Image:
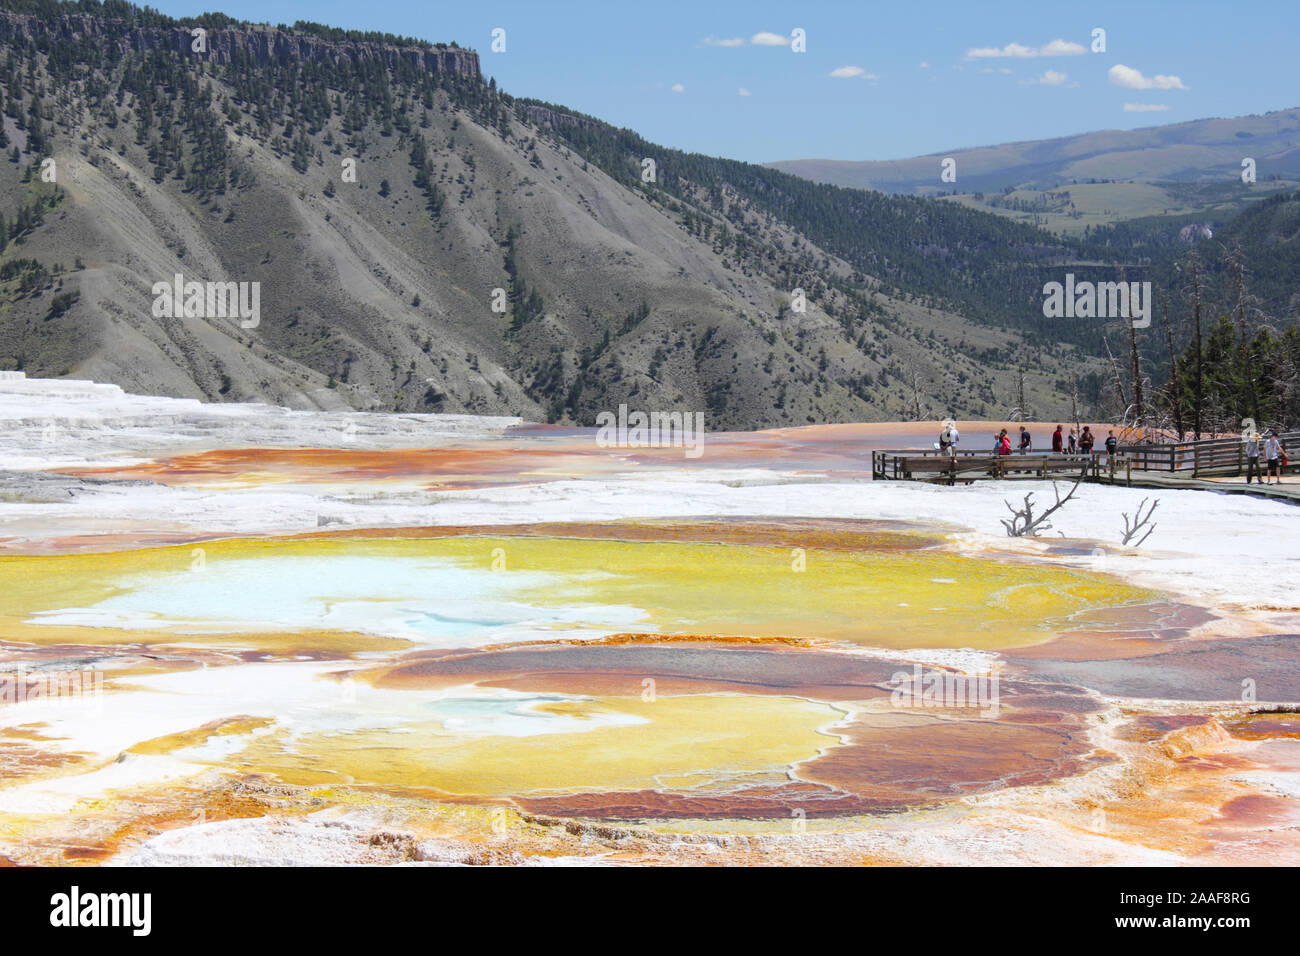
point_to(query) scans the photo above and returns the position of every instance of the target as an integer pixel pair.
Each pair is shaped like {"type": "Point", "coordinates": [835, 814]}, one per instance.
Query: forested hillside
{"type": "Point", "coordinates": [424, 241]}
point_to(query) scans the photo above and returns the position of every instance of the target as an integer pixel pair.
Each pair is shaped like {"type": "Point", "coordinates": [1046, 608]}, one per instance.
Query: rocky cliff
{"type": "Point", "coordinates": [231, 44]}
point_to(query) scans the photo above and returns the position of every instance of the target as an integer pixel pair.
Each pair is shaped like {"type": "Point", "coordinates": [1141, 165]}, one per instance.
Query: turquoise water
{"type": "Point", "coordinates": [428, 600]}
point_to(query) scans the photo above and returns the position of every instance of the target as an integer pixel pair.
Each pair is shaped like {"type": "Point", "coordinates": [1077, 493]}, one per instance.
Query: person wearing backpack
{"type": "Point", "coordinates": [1004, 443]}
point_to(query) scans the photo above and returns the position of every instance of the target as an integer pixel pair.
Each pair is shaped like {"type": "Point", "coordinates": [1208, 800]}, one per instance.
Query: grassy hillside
{"type": "Point", "coordinates": [1071, 185]}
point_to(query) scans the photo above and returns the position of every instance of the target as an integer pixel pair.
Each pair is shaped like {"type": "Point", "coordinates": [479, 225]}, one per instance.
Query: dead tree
{"type": "Point", "coordinates": [1139, 410]}
{"type": "Point", "coordinates": [1020, 411]}
{"type": "Point", "coordinates": [1241, 312]}
{"type": "Point", "coordinates": [915, 382]}
{"type": "Point", "coordinates": [1138, 522]}
{"type": "Point", "coordinates": [1135, 361]}
{"type": "Point", "coordinates": [1074, 403]}
{"type": "Point", "coordinates": [1024, 523]}
{"type": "Point", "coordinates": [1175, 386]}
{"type": "Point", "coordinates": [1119, 379]}
{"type": "Point", "coordinates": [1198, 388]}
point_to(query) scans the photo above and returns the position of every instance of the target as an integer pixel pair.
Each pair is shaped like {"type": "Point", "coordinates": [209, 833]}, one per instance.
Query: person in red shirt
{"type": "Point", "coordinates": [1058, 441]}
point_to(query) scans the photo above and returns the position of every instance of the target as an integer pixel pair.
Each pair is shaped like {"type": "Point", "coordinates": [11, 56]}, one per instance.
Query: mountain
{"type": "Point", "coordinates": [423, 241]}
{"type": "Point", "coordinates": [1183, 172]}
{"type": "Point", "coordinates": [1196, 151]}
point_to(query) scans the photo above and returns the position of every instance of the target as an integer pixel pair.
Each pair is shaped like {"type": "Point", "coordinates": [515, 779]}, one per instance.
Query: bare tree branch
{"type": "Point", "coordinates": [1023, 522]}
{"type": "Point", "coordinates": [1138, 522]}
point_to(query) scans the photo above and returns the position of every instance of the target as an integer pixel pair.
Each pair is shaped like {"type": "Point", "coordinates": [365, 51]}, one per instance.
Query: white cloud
{"type": "Point", "coordinates": [1132, 79]}
{"type": "Point", "coordinates": [769, 39]}
{"type": "Point", "coordinates": [1011, 49]}
{"type": "Point", "coordinates": [846, 72]}
{"type": "Point", "coordinates": [743, 92]}
{"type": "Point", "coordinates": [726, 41]}
{"type": "Point", "coordinates": [1022, 52]}
{"type": "Point", "coordinates": [1144, 107]}
{"type": "Point", "coordinates": [1062, 48]}
{"type": "Point", "coordinates": [678, 88]}
{"type": "Point", "coordinates": [925, 66]}
{"type": "Point", "coordinates": [1049, 78]}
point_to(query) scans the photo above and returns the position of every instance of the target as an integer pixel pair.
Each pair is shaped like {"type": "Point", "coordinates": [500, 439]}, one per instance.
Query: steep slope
{"type": "Point", "coordinates": [378, 291]}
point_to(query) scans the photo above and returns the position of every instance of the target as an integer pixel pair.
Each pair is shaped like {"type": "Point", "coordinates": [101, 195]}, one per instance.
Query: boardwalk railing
{"type": "Point", "coordinates": [965, 466]}
{"type": "Point", "coordinates": [1217, 456]}
{"type": "Point", "coordinates": [1214, 456]}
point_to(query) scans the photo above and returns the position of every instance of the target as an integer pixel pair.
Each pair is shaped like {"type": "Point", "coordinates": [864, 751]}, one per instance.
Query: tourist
{"type": "Point", "coordinates": [1074, 442]}
{"type": "Point", "coordinates": [1276, 454]}
{"type": "Point", "coordinates": [1004, 443]}
{"type": "Point", "coordinates": [1058, 441]}
{"type": "Point", "coordinates": [1252, 457]}
{"type": "Point", "coordinates": [948, 439]}
{"type": "Point", "coordinates": [1111, 444]}
{"type": "Point", "coordinates": [1086, 441]}
{"type": "Point", "coordinates": [1026, 443]}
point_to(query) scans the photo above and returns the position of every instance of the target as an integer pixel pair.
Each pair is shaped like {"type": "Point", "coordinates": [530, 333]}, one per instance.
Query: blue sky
{"type": "Point", "coordinates": [915, 77]}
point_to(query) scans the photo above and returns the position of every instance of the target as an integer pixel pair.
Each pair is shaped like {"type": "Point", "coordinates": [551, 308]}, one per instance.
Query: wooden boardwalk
{"type": "Point", "coordinates": [1185, 465]}
{"type": "Point", "coordinates": [1290, 491]}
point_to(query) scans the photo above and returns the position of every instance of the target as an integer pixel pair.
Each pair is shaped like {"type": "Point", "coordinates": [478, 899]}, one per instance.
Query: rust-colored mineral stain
{"type": "Point", "coordinates": [1114, 633]}
{"type": "Point", "coordinates": [1257, 812]}
{"type": "Point", "coordinates": [750, 803]}
{"type": "Point", "coordinates": [465, 466]}
{"type": "Point", "coordinates": [806, 533]}
{"type": "Point", "coordinates": [1264, 726]}
{"type": "Point", "coordinates": [675, 668]}
{"type": "Point", "coordinates": [530, 455]}
{"type": "Point", "coordinates": [19, 761]}
{"type": "Point", "coordinates": [1147, 727]}
{"type": "Point", "coordinates": [944, 757]}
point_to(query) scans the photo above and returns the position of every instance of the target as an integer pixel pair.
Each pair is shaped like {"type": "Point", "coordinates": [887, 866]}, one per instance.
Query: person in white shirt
{"type": "Point", "coordinates": [1273, 452]}
{"type": "Point", "coordinates": [948, 439]}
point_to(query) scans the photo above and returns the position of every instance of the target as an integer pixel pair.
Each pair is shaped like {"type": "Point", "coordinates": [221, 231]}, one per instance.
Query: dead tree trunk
{"type": "Point", "coordinates": [1245, 371]}
{"type": "Point", "coordinates": [1198, 387]}
{"type": "Point", "coordinates": [1119, 379]}
{"type": "Point", "coordinates": [1175, 386]}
